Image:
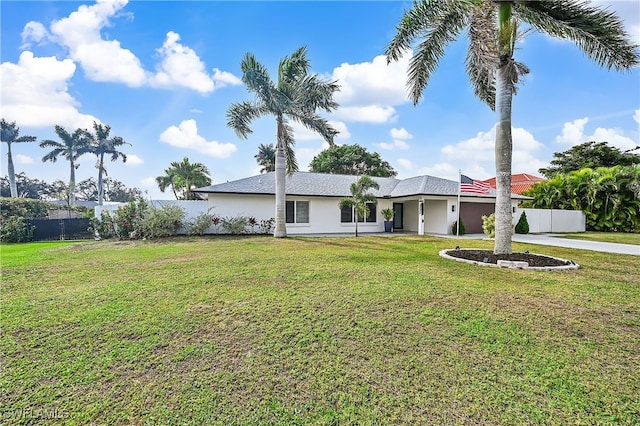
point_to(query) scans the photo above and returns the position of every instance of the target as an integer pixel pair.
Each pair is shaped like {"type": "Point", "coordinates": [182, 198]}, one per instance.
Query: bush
{"type": "Point", "coordinates": [267, 225]}
{"type": "Point", "coordinates": [127, 219]}
{"type": "Point", "coordinates": [160, 222]}
{"type": "Point", "coordinates": [103, 227]}
{"type": "Point", "coordinates": [200, 224]}
{"type": "Point", "coordinates": [15, 230]}
{"type": "Point", "coordinates": [489, 225]}
{"type": "Point", "coordinates": [454, 228]}
{"type": "Point", "coordinates": [522, 227]}
{"type": "Point", "coordinates": [234, 225]}
{"type": "Point", "coordinates": [25, 207]}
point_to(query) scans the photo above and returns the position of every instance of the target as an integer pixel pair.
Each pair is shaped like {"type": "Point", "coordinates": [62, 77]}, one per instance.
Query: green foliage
{"type": "Point", "coordinates": [454, 228]}
{"type": "Point", "coordinates": [351, 160]}
{"type": "Point", "coordinates": [387, 213]}
{"type": "Point", "coordinates": [234, 225]}
{"type": "Point", "coordinates": [522, 227]}
{"type": "Point", "coordinates": [183, 177]}
{"type": "Point", "coordinates": [163, 221]}
{"type": "Point", "coordinates": [489, 225]}
{"type": "Point", "coordinates": [609, 197]}
{"type": "Point", "coordinates": [360, 197]}
{"type": "Point", "coordinates": [591, 155]}
{"type": "Point", "coordinates": [15, 230]}
{"type": "Point", "coordinates": [266, 226]}
{"type": "Point", "coordinates": [200, 224]}
{"type": "Point", "coordinates": [103, 226]}
{"type": "Point", "coordinates": [25, 207]}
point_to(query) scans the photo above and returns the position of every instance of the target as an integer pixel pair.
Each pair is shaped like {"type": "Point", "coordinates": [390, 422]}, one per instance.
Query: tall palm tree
{"type": "Point", "coordinates": [102, 145]}
{"type": "Point", "coordinates": [184, 176]}
{"type": "Point", "coordinates": [493, 31]}
{"type": "Point", "coordinates": [297, 95]}
{"type": "Point", "coordinates": [11, 134]}
{"type": "Point", "coordinates": [360, 197]}
{"type": "Point", "coordinates": [73, 145]}
{"type": "Point", "coordinates": [266, 157]}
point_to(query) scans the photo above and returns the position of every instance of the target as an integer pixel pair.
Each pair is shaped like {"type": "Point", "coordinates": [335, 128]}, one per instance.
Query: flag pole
{"type": "Point", "coordinates": [458, 206]}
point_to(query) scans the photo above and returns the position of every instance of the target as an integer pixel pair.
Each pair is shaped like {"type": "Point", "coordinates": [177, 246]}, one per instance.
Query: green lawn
{"type": "Point", "coordinates": [328, 331]}
{"type": "Point", "coordinates": [607, 237]}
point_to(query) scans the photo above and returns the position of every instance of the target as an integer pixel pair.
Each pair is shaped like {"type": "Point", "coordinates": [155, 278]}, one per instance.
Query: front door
{"type": "Point", "coordinates": [397, 216]}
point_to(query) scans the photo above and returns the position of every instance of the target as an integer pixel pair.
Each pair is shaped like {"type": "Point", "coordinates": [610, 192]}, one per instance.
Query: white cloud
{"type": "Point", "coordinates": [400, 144]}
{"type": "Point", "coordinates": [573, 133]}
{"type": "Point", "coordinates": [369, 90]}
{"type": "Point", "coordinates": [181, 66]}
{"type": "Point", "coordinates": [134, 160]}
{"type": "Point", "coordinates": [34, 92]}
{"type": "Point", "coordinates": [305, 155]}
{"type": "Point", "coordinates": [400, 134]}
{"type": "Point", "coordinates": [33, 32]}
{"type": "Point", "coordinates": [186, 136]}
{"type": "Point", "coordinates": [148, 182]}
{"type": "Point", "coordinates": [446, 171]}
{"type": "Point", "coordinates": [101, 60]}
{"type": "Point", "coordinates": [405, 164]}
{"type": "Point", "coordinates": [23, 159]}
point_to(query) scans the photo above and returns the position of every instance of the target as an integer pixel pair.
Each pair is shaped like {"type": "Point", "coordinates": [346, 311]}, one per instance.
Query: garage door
{"type": "Point", "coordinates": [471, 215]}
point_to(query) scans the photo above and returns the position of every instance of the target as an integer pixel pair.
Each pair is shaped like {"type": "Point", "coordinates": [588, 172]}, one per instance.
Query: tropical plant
{"type": "Point", "coordinates": [296, 96]}
{"type": "Point", "coordinates": [11, 134]}
{"type": "Point", "coordinates": [351, 160]}
{"type": "Point", "coordinates": [199, 224]}
{"type": "Point", "coordinates": [522, 227]}
{"type": "Point", "coordinates": [24, 207]}
{"type": "Point", "coordinates": [162, 221]}
{"type": "Point", "coordinates": [493, 30]}
{"type": "Point", "coordinates": [101, 145]}
{"type": "Point", "coordinates": [387, 213]}
{"type": "Point", "coordinates": [458, 231]}
{"type": "Point", "coordinates": [183, 177]}
{"type": "Point", "coordinates": [489, 225]}
{"type": "Point", "coordinates": [266, 158]}
{"type": "Point", "coordinates": [15, 230]}
{"type": "Point", "coordinates": [360, 198]}
{"type": "Point", "coordinates": [235, 225]}
{"type": "Point", "coordinates": [590, 155]}
{"type": "Point", "coordinates": [73, 145]}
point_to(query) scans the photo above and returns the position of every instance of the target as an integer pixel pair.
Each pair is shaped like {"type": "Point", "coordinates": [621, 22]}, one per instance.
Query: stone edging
{"type": "Point", "coordinates": [512, 264]}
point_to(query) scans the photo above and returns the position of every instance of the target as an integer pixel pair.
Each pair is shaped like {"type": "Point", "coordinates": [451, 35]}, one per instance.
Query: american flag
{"type": "Point", "coordinates": [474, 186]}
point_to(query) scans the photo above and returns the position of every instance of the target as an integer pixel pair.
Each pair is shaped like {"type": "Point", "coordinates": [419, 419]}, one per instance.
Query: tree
{"type": "Point", "coordinates": [73, 145]}
{"type": "Point", "coordinates": [184, 177]}
{"type": "Point", "coordinates": [360, 197]}
{"type": "Point", "coordinates": [26, 187]}
{"type": "Point", "coordinates": [351, 160]}
{"type": "Point", "coordinates": [11, 134]}
{"type": "Point", "coordinates": [296, 95]}
{"type": "Point", "coordinates": [113, 190]}
{"type": "Point", "coordinates": [493, 29]}
{"type": "Point", "coordinates": [101, 144]}
{"type": "Point", "coordinates": [266, 157]}
{"type": "Point", "coordinates": [589, 155]}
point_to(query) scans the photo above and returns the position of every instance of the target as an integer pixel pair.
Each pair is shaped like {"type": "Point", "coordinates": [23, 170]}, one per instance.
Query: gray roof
{"type": "Point", "coordinates": [329, 185]}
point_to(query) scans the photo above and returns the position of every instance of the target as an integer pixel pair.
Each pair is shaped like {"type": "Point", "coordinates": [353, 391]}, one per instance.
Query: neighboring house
{"type": "Point", "coordinates": [519, 182]}
{"type": "Point", "coordinates": [422, 204]}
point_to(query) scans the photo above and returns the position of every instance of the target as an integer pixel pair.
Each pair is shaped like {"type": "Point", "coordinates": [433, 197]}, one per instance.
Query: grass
{"type": "Point", "coordinates": [606, 237]}
{"type": "Point", "coordinates": [246, 331]}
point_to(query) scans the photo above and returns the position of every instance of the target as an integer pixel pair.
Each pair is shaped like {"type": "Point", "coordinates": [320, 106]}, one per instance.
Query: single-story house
{"type": "Point", "coordinates": [422, 204]}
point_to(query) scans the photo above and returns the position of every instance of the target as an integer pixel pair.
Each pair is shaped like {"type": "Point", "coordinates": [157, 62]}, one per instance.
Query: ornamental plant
{"type": "Point", "coordinates": [489, 225]}
{"type": "Point", "coordinates": [522, 227]}
{"type": "Point", "coordinates": [15, 230]}
{"type": "Point", "coordinates": [454, 228]}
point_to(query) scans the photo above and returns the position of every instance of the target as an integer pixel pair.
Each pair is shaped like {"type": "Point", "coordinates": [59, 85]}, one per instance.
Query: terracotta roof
{"type": "Point", "coordinates": [519, 182]}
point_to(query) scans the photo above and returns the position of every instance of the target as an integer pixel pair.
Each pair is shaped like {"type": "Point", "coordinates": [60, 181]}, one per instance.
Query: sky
{"type": "Point", "coordinates": [163, 74]}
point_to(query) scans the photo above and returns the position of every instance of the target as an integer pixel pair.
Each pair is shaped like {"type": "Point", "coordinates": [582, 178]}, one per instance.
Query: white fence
{"type": "Point", "coordinates": [549, 220]}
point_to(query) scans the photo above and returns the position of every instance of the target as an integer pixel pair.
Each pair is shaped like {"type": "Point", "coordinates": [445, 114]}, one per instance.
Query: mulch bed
{"type": "Point", "coordinates": [534, 260]}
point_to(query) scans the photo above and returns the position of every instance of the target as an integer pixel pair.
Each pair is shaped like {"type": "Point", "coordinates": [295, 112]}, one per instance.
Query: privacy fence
{"type": "Point", "coordinates": [60, 229]}
{"type": "Point", "coordinates": [552, 220]}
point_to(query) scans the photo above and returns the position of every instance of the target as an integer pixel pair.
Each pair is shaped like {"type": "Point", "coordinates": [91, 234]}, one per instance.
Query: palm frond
{"type": "Point", "coordinates": [240, 115]}
{"type": "Point", "coordinates": [482, 54]}
{"type": "Point", "coordinates": [295, 67]}
{"type": "Point", "coordinates": [289, 142]}
{"type": "Point", "coordinates": [317, 93]}
{"type": "Point", "coordinates": [598, 32]}
{"type": "Point", "coordinates": [256, 77]}
{"type": "Point", "coordinates": [316, 124]}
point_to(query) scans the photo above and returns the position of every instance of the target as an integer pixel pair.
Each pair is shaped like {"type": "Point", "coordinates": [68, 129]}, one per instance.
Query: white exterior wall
{"type": "Point", "coordinates": [435, 216]}
{"type": "Point", "coordinates": [552, 220]}
{"type": "Point", "coordinates": [410, 220]}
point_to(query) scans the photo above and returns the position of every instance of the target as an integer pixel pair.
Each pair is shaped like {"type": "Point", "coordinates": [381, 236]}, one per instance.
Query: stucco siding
{"type": "Point", "coordinates": [435, 216]}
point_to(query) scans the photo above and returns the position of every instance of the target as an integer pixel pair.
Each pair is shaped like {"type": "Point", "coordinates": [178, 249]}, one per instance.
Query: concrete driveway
{"type": "Point", "coordinates": [557, 241]}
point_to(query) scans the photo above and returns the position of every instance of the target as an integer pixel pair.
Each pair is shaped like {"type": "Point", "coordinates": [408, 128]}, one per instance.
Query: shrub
{"type": "Point", "coordinates": [266, 226]}
{"type": "Point", "coordinates": [522, 227]}
{"type": "Point", "coordinates": [160, 222]}
{"type": "Point", "coordinates": [25, 207]}
{"type": "Point", "coordinates": [234, 225]}
{"type": "Point", "coordinates": [15, 230]}
{"type": "Point", "coordinates": [200, 224]}
{"type": "Point", "coordinates": [127, 219]}
{"type": "Point", "coordinates": [103, 227]}
{"type": "Point", "coordinates": [489, 225]}
{"type": "Point", "coordinates": [454, 228]}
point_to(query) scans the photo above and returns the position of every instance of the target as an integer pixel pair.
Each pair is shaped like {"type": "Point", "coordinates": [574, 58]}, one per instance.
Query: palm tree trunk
{"type": "Point", "coordinates": [281, 226]}
{"type": "Point", "coordinates": [100, 183]}
{"type": "Point", "coordinates": [12, 173]}
{"type": "Point", "coordinates": [72, 184]}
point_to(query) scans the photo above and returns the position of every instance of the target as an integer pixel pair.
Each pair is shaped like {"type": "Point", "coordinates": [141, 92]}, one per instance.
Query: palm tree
{"type": "Point", "coordinates": [11, 134]}
{"type": "Point", "coordinates": [297, 95]}
{"type": "Point", "coordinates": [493, 31]}
{"type": "Point", "coordinates": [73, 145]}
{"type": "Point", "coordinates": [184, 176]}
{"type": "Point", "coordinates": [101, 144]}
{"type": "Point", "coordinates": [266, 157]}
{"type": "Point", "coordinates": [360, 197]}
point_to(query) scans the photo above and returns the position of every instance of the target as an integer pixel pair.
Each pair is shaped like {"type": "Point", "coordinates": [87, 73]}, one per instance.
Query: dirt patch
{"type": "Point", "coordinates": [487, 256]}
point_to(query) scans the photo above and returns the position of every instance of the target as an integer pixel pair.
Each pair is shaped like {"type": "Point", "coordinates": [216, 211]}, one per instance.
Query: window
{"type": "Point", "coordinates": [347, 214]}
{"type": "Point", "coordinates": [297, 212]}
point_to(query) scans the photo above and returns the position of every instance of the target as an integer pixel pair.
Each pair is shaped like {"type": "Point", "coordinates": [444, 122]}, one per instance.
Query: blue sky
{"type": "Point", "coordinates": [162, 75]}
